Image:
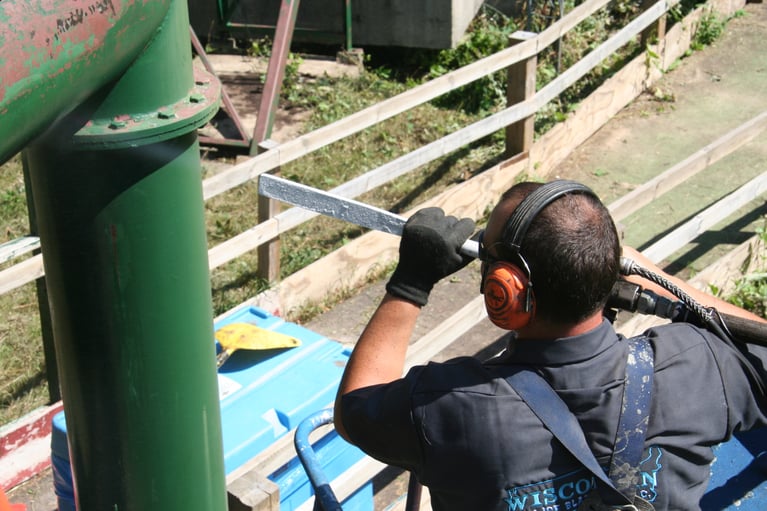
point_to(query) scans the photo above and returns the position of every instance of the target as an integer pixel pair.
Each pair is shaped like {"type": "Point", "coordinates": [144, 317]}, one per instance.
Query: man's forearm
{"type": "Point", "coordinates": [379, 355]}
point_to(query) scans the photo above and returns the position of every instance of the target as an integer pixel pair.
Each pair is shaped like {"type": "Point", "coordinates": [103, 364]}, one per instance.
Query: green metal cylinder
{"type": "Point", "coordinates": [127, 272]}
{"type": "Point", "coordinates": [120, 215]}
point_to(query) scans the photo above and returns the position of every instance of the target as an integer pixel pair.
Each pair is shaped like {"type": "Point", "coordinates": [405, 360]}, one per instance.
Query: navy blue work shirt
{"type": "Point", "coordinates": [477, 446]}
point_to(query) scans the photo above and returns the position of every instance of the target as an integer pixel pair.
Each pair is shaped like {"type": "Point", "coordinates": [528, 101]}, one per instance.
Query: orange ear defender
{"type": "Point", "coordinates": [509, 299]}
{"type": "Point", "coordinates": [507, 286]}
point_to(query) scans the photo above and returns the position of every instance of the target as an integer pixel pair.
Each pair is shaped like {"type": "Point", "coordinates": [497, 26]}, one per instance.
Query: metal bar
{"type": "Point", "coordinates": [275, 73]}
{"type": "Point", "coordinates": [348, 23]}
{"type": "Point", "coordinates": [325, 498]}
{"type": "Point", "coordinates": [341, 208]}
{"type": "Point", "coordinates": [228, 105]}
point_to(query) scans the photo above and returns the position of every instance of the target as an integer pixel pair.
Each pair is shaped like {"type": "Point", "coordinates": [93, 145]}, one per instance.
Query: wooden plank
{"type": "Point", "coordinates": [253, 492]}
{"type": "Point", "coordinates": [25, 445]}
{"type": "Point", "coordinates": [20, 246]}
{"type": "Point", "coordinates": [243, 172]}
{"type": "Point", "coordinates": [558, 29]}
{"type": "Point", "coordinates": [674, 176]}
{"type": "Point", "coordinates": [706, 219]}
{"type": "Point", "coordinates": [21, 273]}
{"type": "Point", "coordinates": [257, 235]}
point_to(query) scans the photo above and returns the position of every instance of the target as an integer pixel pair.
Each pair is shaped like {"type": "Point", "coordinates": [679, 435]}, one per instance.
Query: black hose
{"type": "Point", "coordinates": [728, 328]}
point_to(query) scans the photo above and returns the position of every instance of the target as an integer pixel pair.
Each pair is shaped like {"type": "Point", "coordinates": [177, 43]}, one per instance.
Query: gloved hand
{"type": "Point", "coordinates": [428, 252]}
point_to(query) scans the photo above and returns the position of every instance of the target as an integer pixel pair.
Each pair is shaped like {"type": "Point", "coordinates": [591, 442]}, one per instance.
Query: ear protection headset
{"type": "Point", "coordinates": [507, 285]}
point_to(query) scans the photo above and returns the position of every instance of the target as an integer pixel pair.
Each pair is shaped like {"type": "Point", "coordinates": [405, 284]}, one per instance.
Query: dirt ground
{"type": "Point", "coordinates": [242, 77]}
{"type": "Point", "coordinates": [706, 95]}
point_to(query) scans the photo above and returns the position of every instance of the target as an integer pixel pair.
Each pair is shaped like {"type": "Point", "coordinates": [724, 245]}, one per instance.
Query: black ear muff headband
{"type": "Point", "coordinates": [504, 281]}
{"type": "Point", "coordinates": [524, 214]}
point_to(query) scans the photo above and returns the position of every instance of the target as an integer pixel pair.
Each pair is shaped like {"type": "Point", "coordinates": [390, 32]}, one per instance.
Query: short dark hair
{"type": "Point", "coordinates": [573, 251]}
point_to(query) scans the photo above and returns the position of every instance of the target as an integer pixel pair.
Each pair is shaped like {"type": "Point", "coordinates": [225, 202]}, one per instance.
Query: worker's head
{"type": "Point", "coordinates": [549, 252]}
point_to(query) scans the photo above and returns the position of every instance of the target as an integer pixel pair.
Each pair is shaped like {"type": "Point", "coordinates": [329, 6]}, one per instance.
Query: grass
{"type": "Point", "coordinates": [22, 371]}
{"type": "Point", "coordinates": [750, 290]}
{"type": "Point", "coordinates": [22, 365]}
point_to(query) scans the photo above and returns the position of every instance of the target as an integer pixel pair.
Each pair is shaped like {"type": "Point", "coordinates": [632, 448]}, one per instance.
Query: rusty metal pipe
{"type": "Point", "coordinates": [54, 54]}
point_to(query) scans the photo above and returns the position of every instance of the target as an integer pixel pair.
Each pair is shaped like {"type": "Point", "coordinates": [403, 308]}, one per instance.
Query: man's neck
{"type": "Point", "coordinates": [541, 330]}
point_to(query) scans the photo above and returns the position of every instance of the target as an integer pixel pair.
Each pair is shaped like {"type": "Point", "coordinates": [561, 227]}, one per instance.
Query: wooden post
{"type": "Point", "coordinates": [253, 492]}
{"type": "Point", "coordinates": [269, 252]}
{"type": "Point", "coordinates": [521, 86]}
{"type": "Point", "coordinates": [656, 31]}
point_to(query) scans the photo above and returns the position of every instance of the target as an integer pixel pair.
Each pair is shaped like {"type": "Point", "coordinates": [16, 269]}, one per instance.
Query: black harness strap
{"type": "Point", "coordinates": [619, 489]}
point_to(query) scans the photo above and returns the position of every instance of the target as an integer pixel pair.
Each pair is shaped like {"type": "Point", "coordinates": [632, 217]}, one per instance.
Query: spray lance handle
{"type": "Point", "coordinates": [633, 298]}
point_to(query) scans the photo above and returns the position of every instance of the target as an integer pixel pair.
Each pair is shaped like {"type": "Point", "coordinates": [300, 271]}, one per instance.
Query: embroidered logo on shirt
{"type": "Point", "coordinates": [561, 493]}
{"type": "Point", "coordinates": [648, 474]}
{"type": "Point", "coordinates": [566, 492]}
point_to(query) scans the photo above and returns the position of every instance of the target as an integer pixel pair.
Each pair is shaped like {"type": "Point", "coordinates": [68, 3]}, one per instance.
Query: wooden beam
{"type": "Point", "coordinates": [269, 252]}
{"type": "Point", "coordinates": [20, 246]}
{"type": "Point", "coordinates": [520, 87]}
{"type": "Point", "coordinates": [21, 273]}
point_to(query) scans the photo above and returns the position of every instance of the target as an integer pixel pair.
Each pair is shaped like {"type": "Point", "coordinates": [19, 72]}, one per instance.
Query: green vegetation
{"type": "Point", "coordinates": [750, 290]}
{"type": "Point", "coordinates": [387, 73]}
{"type": "Point", "coordinates": [710, 29]}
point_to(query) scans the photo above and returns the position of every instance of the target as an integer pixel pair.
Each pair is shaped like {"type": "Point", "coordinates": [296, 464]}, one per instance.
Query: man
{"type": "Point", "coordinates": [468, 436]}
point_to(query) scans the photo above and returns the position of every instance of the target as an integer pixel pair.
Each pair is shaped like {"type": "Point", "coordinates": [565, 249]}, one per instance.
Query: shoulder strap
{"type": "Point", "coordinates": [635, 416]}
{"type": "Point", "coordinates": [553, 412]}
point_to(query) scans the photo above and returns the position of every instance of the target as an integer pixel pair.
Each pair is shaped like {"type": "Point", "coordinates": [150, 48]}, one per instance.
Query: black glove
{"type": "Point", "coordinates": [428, 252]}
